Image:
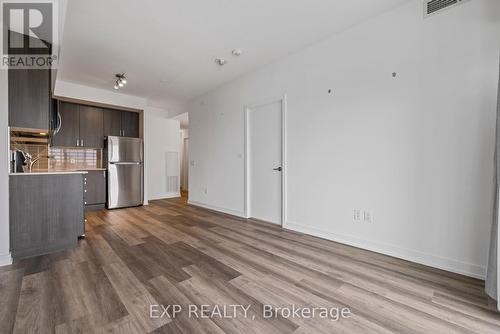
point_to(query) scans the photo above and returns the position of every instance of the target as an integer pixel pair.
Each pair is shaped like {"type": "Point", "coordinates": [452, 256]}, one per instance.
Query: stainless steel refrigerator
{"type": "Point", "coordinates": [125, 172]}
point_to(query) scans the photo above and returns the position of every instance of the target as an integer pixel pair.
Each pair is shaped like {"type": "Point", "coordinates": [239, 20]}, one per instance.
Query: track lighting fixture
{"type": "Point", "coordinates": [121, 81]}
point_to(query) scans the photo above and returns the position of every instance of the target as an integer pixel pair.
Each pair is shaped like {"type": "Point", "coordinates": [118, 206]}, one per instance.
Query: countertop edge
{"type": "Point", "coordinates": [49, 173]}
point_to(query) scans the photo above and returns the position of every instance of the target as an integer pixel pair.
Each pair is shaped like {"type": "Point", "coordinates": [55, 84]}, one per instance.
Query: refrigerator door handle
{"type": "Point", "coordinates": [126, 163]}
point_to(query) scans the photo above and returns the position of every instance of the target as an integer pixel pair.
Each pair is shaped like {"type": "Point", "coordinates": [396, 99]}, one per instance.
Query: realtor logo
{"type": "Point", "coordinates": [29, 34]}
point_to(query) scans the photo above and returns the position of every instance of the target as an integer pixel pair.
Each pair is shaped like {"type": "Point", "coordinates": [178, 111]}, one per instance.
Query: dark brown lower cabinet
{"type": "Point", "coordinates": [46, 213]}
{"type": "Point", "coordinates": [95, 190]}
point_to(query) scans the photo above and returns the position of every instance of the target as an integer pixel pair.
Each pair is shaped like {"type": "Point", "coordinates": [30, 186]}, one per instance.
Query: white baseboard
{"type": "Point", "coordinates": [430, 260]}
{"type": "Point", "coordinates": [164, 196]}
{"type": "Point", "coordinates": [5, 259]}
{"type": "Point", "coordinates": [215, 208]}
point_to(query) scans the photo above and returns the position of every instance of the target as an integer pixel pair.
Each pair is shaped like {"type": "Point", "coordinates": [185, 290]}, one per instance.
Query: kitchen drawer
{"type": "Point", "coordinates": [95, 187]}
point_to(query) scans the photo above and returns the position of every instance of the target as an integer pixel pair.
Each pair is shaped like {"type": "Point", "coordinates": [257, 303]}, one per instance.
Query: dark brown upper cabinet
{"type": "Point", "coordinates": [67, 131]}
{"type": "Point", "coordinates": [29, 91]}
{"type": "Point", "coordinates": [29, 98]}
{"type": "Point", "coordinates": [130, 124]}
{"type": "Point", "coordinates": [121, 123]}
{"type": "Point", "coordinates": [112, 122]}
{"type": "Point", "coordinates": [91, 129]}
{"type": "Point", "coordinates": [78, 126]}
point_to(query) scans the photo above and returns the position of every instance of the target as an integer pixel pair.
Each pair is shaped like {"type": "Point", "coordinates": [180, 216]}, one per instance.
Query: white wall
{"type": "Point", "coordinates": [415, 150]}
{"type": "Point", "coordinates": [69, 89]}
{"type": "Point", "coordinates": [4, 171]}
{"type": "Point", "coordinates": [161, 136]}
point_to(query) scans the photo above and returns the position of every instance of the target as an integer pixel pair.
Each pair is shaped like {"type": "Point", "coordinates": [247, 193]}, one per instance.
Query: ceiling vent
{"type": "Point", "coordinates": [432, 7]}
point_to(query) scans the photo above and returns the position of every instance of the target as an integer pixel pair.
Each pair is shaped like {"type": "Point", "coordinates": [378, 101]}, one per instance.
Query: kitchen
{"type": "Point", "coordinates": [67, 157]}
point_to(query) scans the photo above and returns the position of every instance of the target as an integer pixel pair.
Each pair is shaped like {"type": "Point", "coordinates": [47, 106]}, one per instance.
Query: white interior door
{"type": "Point", "coordinates": [265, 162]}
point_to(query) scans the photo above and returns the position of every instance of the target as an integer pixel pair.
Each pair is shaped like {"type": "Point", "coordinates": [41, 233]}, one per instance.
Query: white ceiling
{"type": "Point", "coordinates": [168, 47]}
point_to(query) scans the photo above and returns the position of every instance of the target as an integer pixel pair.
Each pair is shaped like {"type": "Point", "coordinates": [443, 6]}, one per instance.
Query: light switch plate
{"type": "Point", "coordinates": [356, 215]}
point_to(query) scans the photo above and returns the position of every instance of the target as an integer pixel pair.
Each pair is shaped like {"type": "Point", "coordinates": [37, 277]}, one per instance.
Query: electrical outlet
{"type": "Point", "coordinates": [367, 217]}
{"type": "Point", "coordinates": [356, 215]}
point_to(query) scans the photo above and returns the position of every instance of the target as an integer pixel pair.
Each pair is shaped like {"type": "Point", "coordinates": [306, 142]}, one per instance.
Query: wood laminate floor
{"type": "Point", "coordinates": [169, 253]}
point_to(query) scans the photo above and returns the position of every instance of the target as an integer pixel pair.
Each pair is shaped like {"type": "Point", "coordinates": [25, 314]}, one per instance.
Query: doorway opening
{"type": "Point", "coordinates": [184, 154]}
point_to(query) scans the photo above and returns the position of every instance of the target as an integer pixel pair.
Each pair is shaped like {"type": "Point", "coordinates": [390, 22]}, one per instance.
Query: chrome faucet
{"type": "Point", "coordinates": [30, 160]}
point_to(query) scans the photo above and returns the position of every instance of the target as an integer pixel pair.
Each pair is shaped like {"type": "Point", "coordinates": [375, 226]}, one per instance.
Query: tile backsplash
{"type": "Point", "coordinates": [36, 150]}
{"type": "Point", "coordinates": [74, 158]}
{"type": "Point", "coordinates": [54, 158]}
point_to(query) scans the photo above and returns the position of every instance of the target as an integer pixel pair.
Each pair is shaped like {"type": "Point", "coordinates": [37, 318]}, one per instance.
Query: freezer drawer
{"type": "Point", "coordinates": [125, 186]}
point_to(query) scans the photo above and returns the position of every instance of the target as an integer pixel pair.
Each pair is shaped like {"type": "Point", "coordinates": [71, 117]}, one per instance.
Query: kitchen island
{"type": "Point", "coordinates": [46, 212]}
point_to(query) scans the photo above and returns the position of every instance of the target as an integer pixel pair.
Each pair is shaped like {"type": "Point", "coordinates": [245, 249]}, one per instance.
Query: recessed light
{"type": "Point", "coordinates": [236, 52]}
{"type": "Point", "coordinates": [220, 61]}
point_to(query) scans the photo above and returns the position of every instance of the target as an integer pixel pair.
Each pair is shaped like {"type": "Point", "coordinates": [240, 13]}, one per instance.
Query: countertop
{"type": "Point", "coordinates": [61, 171]}
{"type": "Point", "coordinates": [49, 173]}
{"type": "Point", "coordinates": [84, 169]}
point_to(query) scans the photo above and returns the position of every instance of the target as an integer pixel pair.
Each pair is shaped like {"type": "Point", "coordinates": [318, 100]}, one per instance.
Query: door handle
{"type": "Point", "coordinates": [278, 169]}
